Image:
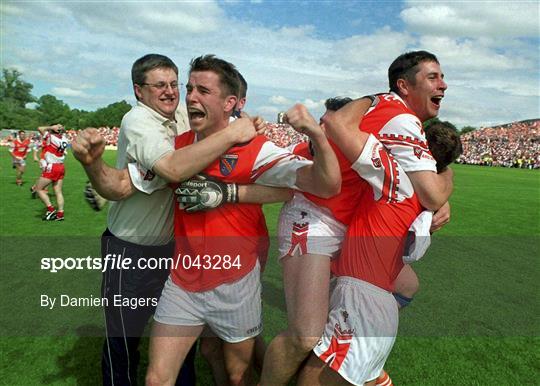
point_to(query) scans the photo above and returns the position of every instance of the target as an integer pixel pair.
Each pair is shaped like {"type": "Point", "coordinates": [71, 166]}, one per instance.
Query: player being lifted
{"type": "Point", "coordinates": [20, 147]}
{"type": "Point", "coordinates": [54, 148]}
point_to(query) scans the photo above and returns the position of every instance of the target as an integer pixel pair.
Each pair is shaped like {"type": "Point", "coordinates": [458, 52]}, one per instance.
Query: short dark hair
{"type": "Point", "coordinates": [242, 93]}
{"type": "Point", "coordinates": [334, 104]}
{"type": "Point", "coordinates": [227, 72]}
{"type": "Point", "coordinates": [148, 62]}
{"type": "Point", "coordinates": [405, 67]}
{"type": "Point", "coordinates": [22, 131]}
{"type": "Point", "coordinates": [444, 143]}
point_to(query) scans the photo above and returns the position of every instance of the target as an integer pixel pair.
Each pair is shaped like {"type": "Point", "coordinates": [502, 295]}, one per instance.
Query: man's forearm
{"type": "Point", "coordinates": [112, 184]}
{"type": "Point", "coordinates": [184, 163]}
{"type": "Point", "coordinates": [259, 194]}
{"type": "Point", "coordinates": [323, 177]}
{"type": "Point", "coordinates": [433, 190]}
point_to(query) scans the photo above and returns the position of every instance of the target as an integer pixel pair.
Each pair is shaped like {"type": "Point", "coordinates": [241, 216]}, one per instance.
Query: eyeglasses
{"type": "Point", "coordinates": [161, 86]}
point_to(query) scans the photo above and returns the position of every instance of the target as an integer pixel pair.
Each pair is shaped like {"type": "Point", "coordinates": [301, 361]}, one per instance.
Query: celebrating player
{"type": "Point", "coordinates": [20, 147]}
{"type": "Point", "coordinates": [55, 144]}
{"type": "Point", "coordinates": [363, 318]}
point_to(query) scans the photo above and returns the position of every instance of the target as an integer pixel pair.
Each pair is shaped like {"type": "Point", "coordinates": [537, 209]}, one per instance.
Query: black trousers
{"type": "Point", "coordinates": [132, 293]}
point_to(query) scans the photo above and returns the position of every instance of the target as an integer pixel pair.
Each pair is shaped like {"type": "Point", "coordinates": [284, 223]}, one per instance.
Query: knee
{"type": "Point", "coordinates": [153, 378]}
{"type": "Point", "coordinates": [304, 344]}
{"type": "Point", "coordinates": [237, 377]}
{"type": "Point", "coordinates": [211, 349]}
{"type": "Point", "coordinates": [237, 373]}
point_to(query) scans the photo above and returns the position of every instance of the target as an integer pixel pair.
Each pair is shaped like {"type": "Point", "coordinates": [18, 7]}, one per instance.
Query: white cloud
{"type": "Point", "coordinates": [69, 92]}
{"type": "Point", "coordinates": [313, 105]}
{"type": "Point", "coordinates": [473, 18]}
{"type": "Point", "coordinates": [84, 52]}
{"type": "Point", "coordinates": [280, 100]}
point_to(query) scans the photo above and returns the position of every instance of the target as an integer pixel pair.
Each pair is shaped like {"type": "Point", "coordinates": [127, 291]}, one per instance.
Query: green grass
{"type": "Point", "coordinates": [475, 321]}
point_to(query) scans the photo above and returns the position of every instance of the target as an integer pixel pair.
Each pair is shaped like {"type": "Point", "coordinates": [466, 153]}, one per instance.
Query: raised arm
{"type": "Point", "coordinates": [43, 129]}
{"type": "Point", "coordinates": [111, 183]}
{"type": "Point", "coordinates": [342, 127]}
{"type": "Point", "coordinates": [323, 177]}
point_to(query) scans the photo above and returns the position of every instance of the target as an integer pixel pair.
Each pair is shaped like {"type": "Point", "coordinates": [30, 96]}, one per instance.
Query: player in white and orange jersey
{"type": "Point", "coordinates": [232, 293]}
{"type": "Point", "coordinates": [402, 180]}
{"type": "Point", "coordinates": [19, 149]}
{"type": "Point", "coordinates": [53, 155]}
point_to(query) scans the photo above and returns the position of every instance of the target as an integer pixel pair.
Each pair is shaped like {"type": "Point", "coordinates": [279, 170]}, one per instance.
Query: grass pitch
{"type": "Point", "coordinates": [475, 321]}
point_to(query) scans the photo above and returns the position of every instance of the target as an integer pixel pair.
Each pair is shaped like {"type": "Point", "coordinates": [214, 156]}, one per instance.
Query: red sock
{"type": "Point", "coordinates": [384, 380]}
{"type": "Point", "coordinates": [50, 208]}
{"type": "Point", "coordinates": [60, 214]}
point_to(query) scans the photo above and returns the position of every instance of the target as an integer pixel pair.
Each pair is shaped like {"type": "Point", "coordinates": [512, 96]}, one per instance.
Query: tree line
{"type": "Point", "coordinates": [16, 95]}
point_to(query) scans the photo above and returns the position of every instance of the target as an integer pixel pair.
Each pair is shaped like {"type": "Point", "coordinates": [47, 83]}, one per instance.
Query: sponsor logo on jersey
{"type": "Point", "coordinates": [418, 152]}
{"type": "Point", "coordinates": [376, 162]}
{"type": "Point", "coordinates": [227, 163]}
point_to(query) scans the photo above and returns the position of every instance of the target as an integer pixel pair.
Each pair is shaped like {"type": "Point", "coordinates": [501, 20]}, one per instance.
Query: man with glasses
{"type": "Point", "coordinates": [139, 225]}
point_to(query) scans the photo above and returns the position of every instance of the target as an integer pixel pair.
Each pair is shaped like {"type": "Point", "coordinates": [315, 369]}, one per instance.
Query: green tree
{"type": "Point", "coordinates": [54, 110]}
{"type": "Point", "coordinates": [12, 116]}
{"type": "Point", "coordinates": [109, 116]}
{"type": "Point", "coordinates": [466, 129]}
{"type": "Point", "coordinates": [12, 87]}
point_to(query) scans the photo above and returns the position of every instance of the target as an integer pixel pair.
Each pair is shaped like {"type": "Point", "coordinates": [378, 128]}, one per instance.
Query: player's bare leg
{"type": "Point", "coordinates": [57, 188]}
{"type": "Point", "coordinates": [212, 350]}
{"type": "Point", "coordinates": [238, 358]}
{"type": "Point", "coordinates": [169, 346]}
{"type": "Point", "coordinates": [406, 283]}
{"type": "Point", "coordinates": [317, 373]}
{"type": "Point", "coordinates": [41, 190]}
{"type": "Point", "coordinates": [260, 350]}
{"type": "Point", "coordinates": [306, 281]}
{"type": "Point", "coordinates": [19, 171]}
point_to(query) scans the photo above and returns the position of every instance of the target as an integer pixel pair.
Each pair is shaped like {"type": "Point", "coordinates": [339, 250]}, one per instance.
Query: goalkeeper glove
{"type": "Point", "coordinates": [204, 192]}
{"type": "Point", "coordinates": [93, 198]}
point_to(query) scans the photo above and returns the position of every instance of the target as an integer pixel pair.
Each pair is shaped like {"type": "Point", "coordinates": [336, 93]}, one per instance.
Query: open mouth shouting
{"type": "Point", "coordinates": [436, 100]}
{"type": "Point", "coordinates": [195, 115]}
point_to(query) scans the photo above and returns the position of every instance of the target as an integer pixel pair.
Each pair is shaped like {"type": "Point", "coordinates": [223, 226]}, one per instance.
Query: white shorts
{"type": "Point", "coordinates": [361, 330]}
{"type": "Point", "coordinates": [232, 310]}
{"type": "Point", "coordinates": [305, 228]}
{"type": "Point", "coordinates": [20, 162]}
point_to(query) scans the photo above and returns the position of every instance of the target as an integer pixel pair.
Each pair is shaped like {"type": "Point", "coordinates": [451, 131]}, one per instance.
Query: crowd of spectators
{"type": "Point", "coordinates": [511, 145]}
{"type": "Point", "coordinates": [284, 135]}
{"type": "Point", "coordinates": [110, 135]}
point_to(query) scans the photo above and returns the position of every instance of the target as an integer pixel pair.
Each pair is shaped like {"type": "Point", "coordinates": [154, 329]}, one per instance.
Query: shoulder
{"type": "Point", "coordinates": [136, 112]}
{"type": "Point", "coordinates": [184, 139]}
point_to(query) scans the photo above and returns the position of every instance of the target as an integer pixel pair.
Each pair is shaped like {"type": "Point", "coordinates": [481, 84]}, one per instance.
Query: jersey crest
{"type": "Point", "coordinates": [227, 163]}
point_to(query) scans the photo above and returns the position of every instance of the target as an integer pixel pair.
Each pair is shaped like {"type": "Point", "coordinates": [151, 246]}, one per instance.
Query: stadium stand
{"type": "Point", "coordinates": [514, 144]}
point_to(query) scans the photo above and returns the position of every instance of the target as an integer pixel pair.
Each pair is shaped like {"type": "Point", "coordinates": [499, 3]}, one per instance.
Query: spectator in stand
{"type": "Point", "coordinates": [512, 145]}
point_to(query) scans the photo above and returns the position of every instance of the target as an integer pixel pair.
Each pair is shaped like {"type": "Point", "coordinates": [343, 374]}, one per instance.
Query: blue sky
{"type": "Point", "coordinates": [289, 51]}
